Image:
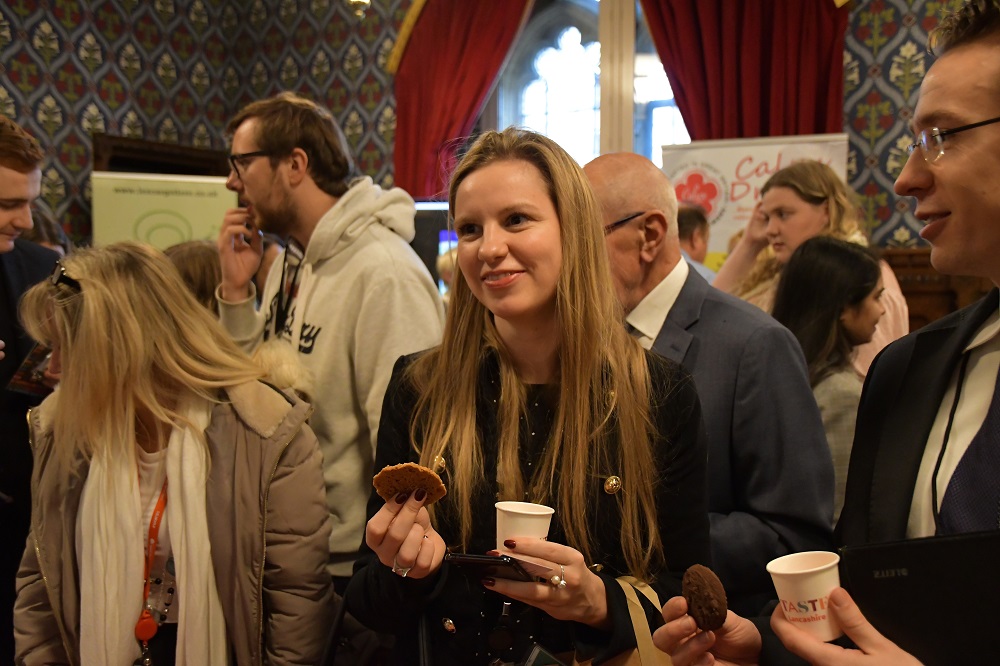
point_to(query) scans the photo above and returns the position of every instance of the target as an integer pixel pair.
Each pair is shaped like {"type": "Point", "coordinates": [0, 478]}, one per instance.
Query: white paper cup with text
{"type": "Point", "coordinates": [804, 582]}
{"type": "Point", "coordinates": [521, 520]}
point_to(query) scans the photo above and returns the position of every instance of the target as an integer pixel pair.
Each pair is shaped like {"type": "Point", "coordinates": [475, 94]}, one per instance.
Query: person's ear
{"type": "Point", "coordinates": [654, 233]}
{"type": "Point", "coordinates": [298, 166]}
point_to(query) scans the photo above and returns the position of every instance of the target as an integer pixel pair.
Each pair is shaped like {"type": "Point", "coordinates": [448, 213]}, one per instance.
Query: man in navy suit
{"type": "Point", "coordinates": [770, 475]}
{"type": "Point", "coordinates": [926, 455]}
{"type": "Point", "coordinates": [22, 264]}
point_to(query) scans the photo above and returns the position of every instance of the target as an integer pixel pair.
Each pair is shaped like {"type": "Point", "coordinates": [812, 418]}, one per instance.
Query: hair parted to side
{"type": "Point", "coordinates": [133, 339]}
{"type": "Point", "coordinates": [198, 263]}
{"type": "Point", "coordinates": [823, 277]}
{"type": "Point", "coordinates": [815, 183]}
{"type": "Point", "coordinates": [974, 21]}
{"type": "Point", "coordinates": [602, 419]}
{"type": "Point", "coordinates": [288, 121]}
{"type": "Point", "coordinates": [690, 218]}
{"type": "Point", "coordinates": [18, 149]}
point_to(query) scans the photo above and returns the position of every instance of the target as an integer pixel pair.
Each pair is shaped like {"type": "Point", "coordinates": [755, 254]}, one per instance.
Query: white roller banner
{"type": "Point", "coordinates": [725, 176]}
{"type": "Point", "coordinates": [158, 209]}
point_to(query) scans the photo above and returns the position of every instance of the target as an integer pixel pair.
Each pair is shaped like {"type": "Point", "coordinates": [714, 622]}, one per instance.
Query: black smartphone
{"type": "Point", "coordinates": [498, 566]}
{"type": "Point", "coordinates": [539, 656]}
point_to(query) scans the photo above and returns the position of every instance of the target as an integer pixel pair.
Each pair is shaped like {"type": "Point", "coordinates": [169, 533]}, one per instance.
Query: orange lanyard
{"type": "Point", "coordinates": [145, 626]}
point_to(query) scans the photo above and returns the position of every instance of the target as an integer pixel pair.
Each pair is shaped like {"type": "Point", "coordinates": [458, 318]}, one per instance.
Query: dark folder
{"type": "Point", "coordinates": [938, 597]}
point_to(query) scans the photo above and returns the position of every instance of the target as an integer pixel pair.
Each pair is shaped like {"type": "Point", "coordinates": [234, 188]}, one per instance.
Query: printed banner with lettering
{"type": "Point", "coordinates": [158, 209]}
{"type": "Point", "coordinates": [725, 176]}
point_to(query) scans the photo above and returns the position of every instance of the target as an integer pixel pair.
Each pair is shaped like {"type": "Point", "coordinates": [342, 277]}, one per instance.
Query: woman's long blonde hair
{"type": "Point", "coordinates": [133, 340]}
{"type": "Point", "coordinates": [602, 422]}
{"type": "Point", "coordinates": [815, 183]}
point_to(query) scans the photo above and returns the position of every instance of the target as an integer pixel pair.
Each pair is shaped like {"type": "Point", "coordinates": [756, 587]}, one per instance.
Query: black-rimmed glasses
{"type": "Point", "coordinates": [236, 159]}
{"type": "Point", "coordinates": [931, 140]}
{"type": "Point", "coordinates": [59, 277]}
{"type": "Point", "coordinates": [608, 228]}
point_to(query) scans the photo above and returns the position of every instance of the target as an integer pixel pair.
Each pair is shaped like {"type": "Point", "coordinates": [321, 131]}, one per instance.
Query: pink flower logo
{"type": "Point", "coordinates": [697, 189]}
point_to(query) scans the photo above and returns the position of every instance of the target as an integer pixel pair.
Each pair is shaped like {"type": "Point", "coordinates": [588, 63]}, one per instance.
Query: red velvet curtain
{"type": "Point", "coordinates": [745, 68]}
{"type": "Point", "coordinates": [451, 61]}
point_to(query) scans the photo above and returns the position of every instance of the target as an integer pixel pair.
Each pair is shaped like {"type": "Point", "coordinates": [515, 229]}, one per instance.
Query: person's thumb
{"type": "Point", "coordinates": [854, 623]}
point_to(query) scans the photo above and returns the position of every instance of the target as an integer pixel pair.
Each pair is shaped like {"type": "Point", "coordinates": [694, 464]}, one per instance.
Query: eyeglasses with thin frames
{"type": "Point", "coordinates": [59, 277]}
{"type": "Point", "coordinates": [622, 222]}
{"type": "Point", "coordinates": [931, 140]}
{"type": "Point", "coordinates": [235, 159]}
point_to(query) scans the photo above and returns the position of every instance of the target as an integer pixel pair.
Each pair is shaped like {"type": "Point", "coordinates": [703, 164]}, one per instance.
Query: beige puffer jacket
{"type": "Point", "coordinates": [268, 525]}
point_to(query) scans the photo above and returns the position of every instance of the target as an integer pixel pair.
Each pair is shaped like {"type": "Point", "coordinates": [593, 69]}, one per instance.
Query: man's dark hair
{"type": "Point", "coordinates": [18, 149]}
{"type": "Point", "coordinates": [690, 218]}
{"type": "Point", "coordinates": [975, 20]}
{"type": "Point", "coordinates": [286, 122]}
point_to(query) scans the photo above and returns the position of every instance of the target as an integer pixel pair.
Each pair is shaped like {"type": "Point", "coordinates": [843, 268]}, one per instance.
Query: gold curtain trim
{"type": "Point", "coordinates": [840, 3]}
{"type": "Point", "coordinates": [403, 38]}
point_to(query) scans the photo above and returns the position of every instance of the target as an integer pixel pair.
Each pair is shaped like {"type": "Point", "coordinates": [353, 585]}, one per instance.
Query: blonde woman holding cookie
{"type": "Point", "coordinates": [537, 393]}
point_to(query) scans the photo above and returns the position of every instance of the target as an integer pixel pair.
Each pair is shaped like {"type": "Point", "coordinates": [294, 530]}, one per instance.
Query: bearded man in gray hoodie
{"type": "Point", "coordinates": [349, 295]}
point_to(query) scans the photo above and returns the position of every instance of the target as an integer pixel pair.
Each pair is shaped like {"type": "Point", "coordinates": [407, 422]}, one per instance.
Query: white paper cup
{"type": "Point", "coordinates": [804, 582]}
{"type": "Point", "coordinates": [521, 520]}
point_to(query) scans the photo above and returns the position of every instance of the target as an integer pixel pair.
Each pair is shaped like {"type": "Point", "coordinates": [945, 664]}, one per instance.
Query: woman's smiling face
{"type": "Point", "coordinates": [509, 241]}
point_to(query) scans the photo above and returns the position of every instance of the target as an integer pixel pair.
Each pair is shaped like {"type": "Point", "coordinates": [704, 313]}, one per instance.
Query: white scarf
{"type": "Point", "coordinates": [111, 554]}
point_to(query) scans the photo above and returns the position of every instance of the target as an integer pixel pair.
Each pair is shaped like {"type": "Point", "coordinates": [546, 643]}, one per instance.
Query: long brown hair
{"type": "Point", "coordinates": [602, 420]}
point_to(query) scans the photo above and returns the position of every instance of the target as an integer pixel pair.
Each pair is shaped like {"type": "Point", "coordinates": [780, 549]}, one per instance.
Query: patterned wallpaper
{"type": "Point", "coordinates": [176, 70]}
{"type": "Point", "coordinates": [884, 62]}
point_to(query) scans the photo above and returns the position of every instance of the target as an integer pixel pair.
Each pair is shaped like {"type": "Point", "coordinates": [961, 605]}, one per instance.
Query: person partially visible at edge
{"type": "Point", "coordinates": [916, 382]}
{"type": "Point", "coordinates": [22, 264]}
{"type": "Point", "coordinates": [349, 295]}
{"type": "Point", "coordinates": [770, 478]}
{"type": "Point", "coordinates": [47, 232]}
{"type": "Point", "coordinates": [800, 201]}
{"type": "Point", "coordinates": [693, 233]}
{"type": "Point", "coordinates": [536, 393]}
{"type": "Point", "coordinates": [228, 499]}
{"type": "Point", "coordinates": [830, 297]}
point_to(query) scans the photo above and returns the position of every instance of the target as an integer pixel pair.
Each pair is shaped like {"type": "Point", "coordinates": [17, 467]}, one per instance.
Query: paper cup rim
{"type": "Point", "coordinates": [529, 508]}
{"type": "Point", "coordinates": [772, 566]}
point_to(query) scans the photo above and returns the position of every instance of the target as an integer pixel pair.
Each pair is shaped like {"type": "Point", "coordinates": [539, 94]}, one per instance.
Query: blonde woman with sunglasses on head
{"type": "Point", "coordinates": [178, 507]}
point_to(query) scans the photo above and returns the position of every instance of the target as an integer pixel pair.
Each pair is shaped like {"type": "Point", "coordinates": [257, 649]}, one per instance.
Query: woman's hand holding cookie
{"type": "Point", "coordinates": [736, 643]}
{"type": "Point", "coordinates": [402, 537]}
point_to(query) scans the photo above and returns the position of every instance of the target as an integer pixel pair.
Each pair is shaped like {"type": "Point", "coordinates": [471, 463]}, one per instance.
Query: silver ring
{"type": "Point", "coordinates": [559, 580]}
{"type": "Point", "coordinates": [400, 571]}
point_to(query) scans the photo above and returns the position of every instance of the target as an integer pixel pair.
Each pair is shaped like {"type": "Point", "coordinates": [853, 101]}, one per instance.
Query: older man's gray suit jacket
{"type": "Point", "coordinates": [770, 473]}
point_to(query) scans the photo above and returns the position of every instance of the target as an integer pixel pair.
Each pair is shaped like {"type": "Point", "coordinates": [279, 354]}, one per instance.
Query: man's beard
{"type": "Point", "coordinates": [280, 220]}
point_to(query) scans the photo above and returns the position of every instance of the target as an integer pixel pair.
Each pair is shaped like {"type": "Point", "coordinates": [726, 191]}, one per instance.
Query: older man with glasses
{"type": "Point", "coordinates": [770, 475]}
{"type": "Point", "coordinates": [22, 264]}
{"type": "Point", "coordinates": [926, 455]}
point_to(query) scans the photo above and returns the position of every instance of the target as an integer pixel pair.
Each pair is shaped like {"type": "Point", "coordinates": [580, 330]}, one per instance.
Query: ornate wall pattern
{"type": "Point", "coordinates": [884, 62]}
{"type": "Point", "coordinates": [176, 70]}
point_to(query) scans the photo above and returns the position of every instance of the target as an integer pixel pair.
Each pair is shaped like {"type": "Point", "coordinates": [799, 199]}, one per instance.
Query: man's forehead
{"type": "Point", "coordinates": [16, 184]}
{"type": "Point", "coordinates": [959, 87]}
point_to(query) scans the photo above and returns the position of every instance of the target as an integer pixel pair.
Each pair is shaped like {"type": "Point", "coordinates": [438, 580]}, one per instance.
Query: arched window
{"type": "Point", "coordinates": [552, 83]}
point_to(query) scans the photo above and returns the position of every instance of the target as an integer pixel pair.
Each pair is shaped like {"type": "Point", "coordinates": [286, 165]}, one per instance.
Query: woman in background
{"type": "Point", "coordinates": [198, 263]}
{"type": "Point", "coordinates": [798, 202]}
{"type": "Point", "coordinates": [48, 233]}
{"type": "Point", "coordinates": [178, 503]}
{"type": "Point", "coordinates": [830, 297]}
{"type": "Point", "coordinates": [536, 393]}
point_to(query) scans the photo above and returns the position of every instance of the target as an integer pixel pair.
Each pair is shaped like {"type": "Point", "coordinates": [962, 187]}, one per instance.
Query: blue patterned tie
{"type": "Point", "coordinates": [972, 501]}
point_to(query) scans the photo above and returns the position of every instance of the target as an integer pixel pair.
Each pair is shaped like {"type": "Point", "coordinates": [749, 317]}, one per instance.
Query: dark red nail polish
{"type": "Point", "coordinates": [489, 582]}
{"type": "Point", "coordinates": [420, 495]}
{"type": "Point", "coordinates": [493, 553]}
{"type": "Point", "coordinates": [509, 543]}
{"type": "Point", "coordinates": [401, 498]}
